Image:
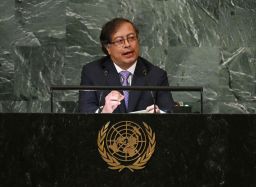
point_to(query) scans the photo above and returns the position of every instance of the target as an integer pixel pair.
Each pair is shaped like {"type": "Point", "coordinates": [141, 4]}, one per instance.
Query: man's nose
{"type": "Point", "coordinates": [126, 43]}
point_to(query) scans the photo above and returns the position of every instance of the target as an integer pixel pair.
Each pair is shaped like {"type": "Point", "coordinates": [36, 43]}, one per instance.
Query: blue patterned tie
{"type": "Point", "coordinates": [124, 81]}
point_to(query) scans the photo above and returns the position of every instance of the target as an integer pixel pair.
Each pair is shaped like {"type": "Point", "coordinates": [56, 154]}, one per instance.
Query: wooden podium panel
{"type": "Point", "coordinates": [190, 150]}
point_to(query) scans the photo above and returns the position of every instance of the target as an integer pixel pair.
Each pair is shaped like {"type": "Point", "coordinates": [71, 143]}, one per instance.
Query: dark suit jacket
{"type": "Point", "coordinates": [102, 72]}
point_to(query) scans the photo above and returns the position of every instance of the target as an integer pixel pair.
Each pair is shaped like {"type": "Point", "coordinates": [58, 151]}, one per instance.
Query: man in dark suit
{"type": "Point", "coordinates": [123, 66]}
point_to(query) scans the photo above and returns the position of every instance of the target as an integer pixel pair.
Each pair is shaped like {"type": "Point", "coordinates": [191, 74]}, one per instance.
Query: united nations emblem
{"type": "Point", "coordinates": [126, 145]}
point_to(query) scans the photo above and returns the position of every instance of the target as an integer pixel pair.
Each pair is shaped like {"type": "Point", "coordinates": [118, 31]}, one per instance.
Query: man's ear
{"type": "Point", "coordinates": [108, 49]}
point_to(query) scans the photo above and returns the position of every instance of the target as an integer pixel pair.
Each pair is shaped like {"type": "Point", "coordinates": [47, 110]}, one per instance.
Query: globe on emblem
{"type": "Point", "coordinates": [126, 141]}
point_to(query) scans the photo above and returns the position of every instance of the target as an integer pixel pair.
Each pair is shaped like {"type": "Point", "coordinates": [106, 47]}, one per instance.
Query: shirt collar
{"type": "Point", "coordinates": [130, 69]}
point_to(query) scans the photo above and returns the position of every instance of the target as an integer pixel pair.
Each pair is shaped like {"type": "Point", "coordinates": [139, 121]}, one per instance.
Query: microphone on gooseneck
{"type": "Point", "coordinates": [102, 92]}
{"type": "Point", "coordinates": [145, 73]}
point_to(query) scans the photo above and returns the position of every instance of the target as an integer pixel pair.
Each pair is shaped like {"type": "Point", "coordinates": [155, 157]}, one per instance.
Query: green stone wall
{"type": "Point", "coordinates": [199, 43]}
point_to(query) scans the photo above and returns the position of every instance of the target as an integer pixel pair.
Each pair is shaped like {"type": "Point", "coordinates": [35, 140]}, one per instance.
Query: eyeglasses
{"type": "Point", "coordinates": [121, 41]}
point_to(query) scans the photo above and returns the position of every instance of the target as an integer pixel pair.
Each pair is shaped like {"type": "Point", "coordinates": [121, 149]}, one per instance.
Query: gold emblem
{"type": "Point", "coordinates": [126, 145]}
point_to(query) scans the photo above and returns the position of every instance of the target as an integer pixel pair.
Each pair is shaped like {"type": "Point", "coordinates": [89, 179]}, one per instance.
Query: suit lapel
{"type": "Point", "coordinates": [138, 80]}
{"type": "Point", "coordinates": [113, 79]}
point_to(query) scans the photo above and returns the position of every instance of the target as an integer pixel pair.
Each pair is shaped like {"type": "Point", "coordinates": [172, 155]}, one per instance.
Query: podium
{"type": "Point", "coordinates": [190, 150]}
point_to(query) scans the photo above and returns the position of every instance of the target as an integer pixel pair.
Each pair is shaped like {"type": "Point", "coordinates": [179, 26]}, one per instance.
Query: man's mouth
{"type": "Point", "coordinates": [128, 53]}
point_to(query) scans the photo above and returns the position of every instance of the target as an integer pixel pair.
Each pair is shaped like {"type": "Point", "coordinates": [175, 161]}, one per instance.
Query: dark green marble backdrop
{"type": "Point", "coordinates": [200, 43]}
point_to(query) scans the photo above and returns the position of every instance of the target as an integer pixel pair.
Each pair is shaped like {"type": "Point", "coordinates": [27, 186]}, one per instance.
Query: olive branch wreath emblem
{"type": "Point", "coordinates": [113, 163]}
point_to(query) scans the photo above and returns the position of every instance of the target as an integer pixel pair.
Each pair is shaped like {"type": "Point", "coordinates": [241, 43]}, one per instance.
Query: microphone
{"type": "Point", "coordinates": [101, 93]}
{"type": "Point", "coordinates": [145, 73]}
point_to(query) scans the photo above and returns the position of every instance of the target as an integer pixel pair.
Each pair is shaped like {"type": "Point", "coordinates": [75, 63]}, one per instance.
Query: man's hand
{"type": "Point", "coordinates": [112, 100]}
{"type": "Point", "coordinates": [150, 109]}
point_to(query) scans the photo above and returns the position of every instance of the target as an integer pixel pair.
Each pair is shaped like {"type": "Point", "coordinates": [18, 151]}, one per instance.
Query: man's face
{"type": "Point", "coordinates": [124, 47]}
